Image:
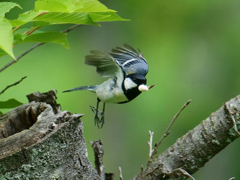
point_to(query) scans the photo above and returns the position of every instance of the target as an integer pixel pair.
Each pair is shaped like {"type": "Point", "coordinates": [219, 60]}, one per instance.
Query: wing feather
{"type": "Point", "coordinates": [132, 61]}
{"type": "Point", "coordinates": [122, 58]}
{"type": "Point", "coordinates": [105, 64]}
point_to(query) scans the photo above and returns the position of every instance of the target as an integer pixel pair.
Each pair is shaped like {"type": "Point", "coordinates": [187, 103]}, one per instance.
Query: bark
{"type": "Point", "coordinates": [197, 147]}
{"type": "Point", "coordinates": [39, 141]}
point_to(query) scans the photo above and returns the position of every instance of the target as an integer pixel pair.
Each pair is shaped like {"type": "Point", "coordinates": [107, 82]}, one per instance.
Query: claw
{"type": "Point", "coordinates": [102, 120]}
{"type": "Point", "coordinates": [98, 121]}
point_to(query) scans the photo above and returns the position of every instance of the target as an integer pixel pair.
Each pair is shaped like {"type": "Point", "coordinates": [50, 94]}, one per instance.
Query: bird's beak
{"type": "Point", "coordinates": [143, 87]}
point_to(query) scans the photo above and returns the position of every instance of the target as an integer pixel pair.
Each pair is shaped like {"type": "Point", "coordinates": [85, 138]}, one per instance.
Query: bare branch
{"type": "Point", "coordinates": [194, 149]}
{"type": "Point", "coordinates": [150, 144]}
{"type": "Point", "coordinates": [35, 46]}
{"type": "Point", "coordinates": [14, 84]}
{"type": "Point", "coordinates": [120, 173]}
{"type": "Point", "coordinates": [167, 131]}
{"type": "Point", "coordinates": [71, 28]}
{"type": "Point", "coordinates": [184, 173]}
{"type": "Point", "coordinates": [149, 87]}
{"type": "Point", "coordinates": [98, 154]}
{"type": "Point", "coordinates": [142, 171]}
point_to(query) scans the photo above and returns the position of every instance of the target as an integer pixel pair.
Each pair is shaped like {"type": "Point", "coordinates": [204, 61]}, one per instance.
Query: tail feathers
{"type": "Point", "coordinates": [89, 88]}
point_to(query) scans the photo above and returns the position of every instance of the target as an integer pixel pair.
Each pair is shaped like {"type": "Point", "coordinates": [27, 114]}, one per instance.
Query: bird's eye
{"type": "Point", "coordinates": [134, 80]}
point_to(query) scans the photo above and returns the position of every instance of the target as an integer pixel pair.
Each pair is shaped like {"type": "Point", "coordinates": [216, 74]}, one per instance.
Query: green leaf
{"type": "Point", "coordinates": [106, 16]}
{"type": "Point", "coordinates": [40, 23]}
{"type": "Point", "coordinates": [19, 35]}
{"type": "Point", "coordinates": [68, 6]}
{"type": "Point", "coordinates": [11, 103]}
{"type": "Point", "coordinates": [25, 18]}
{"type": "Point", "coordinates": [94, 6]}
{"type": "Point", "coordinates": [1, 113]}
{"type": "Point", "coordinates": [6, 7]}
{"type": "Point", "coordinates": [2, 52]}
{"type": "Point", "coordinates": [66, 12]}
{"type": "Point", "coordinates": [51, 6]}
{"type": "Point", "coordinates": [50, 37]}
{"type": "Point", "coordinates": [6, 36]}
{"type": "Point", "coordinates": [66, 18]}
{"type": "Point", "coordinates": [72, 5]}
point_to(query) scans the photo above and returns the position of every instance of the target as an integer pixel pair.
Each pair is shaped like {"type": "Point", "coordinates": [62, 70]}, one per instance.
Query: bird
{"type": "Point", "coordinates": [126, 69]}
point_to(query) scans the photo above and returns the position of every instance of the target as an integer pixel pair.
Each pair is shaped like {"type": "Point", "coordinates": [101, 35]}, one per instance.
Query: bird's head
{"type": "Point", "coordinates": [136, 81]}
{"type": "Point", "coordinates": [134, 84]}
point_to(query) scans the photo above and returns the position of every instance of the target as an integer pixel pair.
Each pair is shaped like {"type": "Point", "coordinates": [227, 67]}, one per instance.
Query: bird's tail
{"type": "Point", "coordinates": [89, 88]}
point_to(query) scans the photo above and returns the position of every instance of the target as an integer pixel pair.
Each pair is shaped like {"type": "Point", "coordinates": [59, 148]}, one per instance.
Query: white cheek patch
{"type": "Point", "coordinates": [128, 84]}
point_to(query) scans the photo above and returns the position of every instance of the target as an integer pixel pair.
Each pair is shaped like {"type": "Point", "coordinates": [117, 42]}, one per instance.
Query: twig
{"type": "Point", "coordinates": [14, 84]}
{"type": "Point", "coordinates": [149, 87]}
{"type": "Point", "coordinates": [31, 30]}
{"type": "Point", "coordinates": [120, 173]}
{"type": "Point", "coordinates": [71, 28]}
{"type": "Point", "coordinates": [233, 119]}
{"type": "Point", "coordinates": [13, 61]}
{"type": "Point", "coordinates": [150, 144]}
{"type": "Point", "coordinates": [35, 46]}
{"type": "Point", "coordinates": [184, 173]}
{"type": "Point", "coordinates": [142, 171]}
{"type": "Point", "coordinates": [98, 154]}
{"type": "Point", "coordinates": [167, 131]}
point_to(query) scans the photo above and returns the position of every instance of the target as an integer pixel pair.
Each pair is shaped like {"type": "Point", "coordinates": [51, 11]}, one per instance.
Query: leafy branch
{"type": "Point", "coordinates": [44, 13]}
{"type": "Point", "coordinates": [49, 12]}
{"type": "Point", "coordinates": [35, 46]}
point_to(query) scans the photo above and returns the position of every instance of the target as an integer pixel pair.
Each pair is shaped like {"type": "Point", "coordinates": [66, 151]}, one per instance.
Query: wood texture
{"type": "Point", "coordinates": [39, 141]}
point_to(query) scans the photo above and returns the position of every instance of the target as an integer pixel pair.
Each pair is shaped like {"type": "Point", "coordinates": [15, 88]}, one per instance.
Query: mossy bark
{"type": "Point", "coordinates": [39, 141]}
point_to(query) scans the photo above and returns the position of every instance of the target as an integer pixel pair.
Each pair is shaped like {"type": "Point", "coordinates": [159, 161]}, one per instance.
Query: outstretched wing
{"type": "Point", "coordinates": [106, 65]}
{"type": "Point", "coordinates": [122, 58]}
{"type": "Point", "coordinates": [132, 61]}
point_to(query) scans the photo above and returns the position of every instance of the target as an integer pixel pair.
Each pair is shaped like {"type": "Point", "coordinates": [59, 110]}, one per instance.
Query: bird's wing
{"type": "Point", "coordinates": [106, 65]}
{"type": "Point", "coordinates": [122, 58]}
{"type": "Point", "coordinates": [132, 61]}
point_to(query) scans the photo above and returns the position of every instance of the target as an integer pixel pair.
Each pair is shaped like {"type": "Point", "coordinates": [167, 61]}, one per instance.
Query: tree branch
{"type": "Point", "coordinates": [154, 151]}
{"type": "Point", "coordinates": [193, 150]}
{"type": "Point", "coordinates": [14, 84]}
{"type": "Point", "coordinates": [120, 173]}
{"type": "Point", "coordinates": [35, 46]}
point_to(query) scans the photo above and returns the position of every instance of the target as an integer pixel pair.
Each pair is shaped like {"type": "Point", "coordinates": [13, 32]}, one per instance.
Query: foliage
{"type": "Point", "coordinates": [11, 103]}
{"type": "Point", "coordinates": [47, 12]}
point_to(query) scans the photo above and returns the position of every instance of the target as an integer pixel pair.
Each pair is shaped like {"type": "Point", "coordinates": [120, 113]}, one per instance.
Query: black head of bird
{"type": "Point", "coordinates": [126, 69]}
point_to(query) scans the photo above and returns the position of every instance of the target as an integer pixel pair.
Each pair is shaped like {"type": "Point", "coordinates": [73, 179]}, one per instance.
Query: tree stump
{"type": "Point", "coordinates": [39, 141]}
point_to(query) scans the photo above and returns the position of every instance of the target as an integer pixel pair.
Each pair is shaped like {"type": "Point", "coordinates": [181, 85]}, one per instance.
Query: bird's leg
{"type": "Point", "coordinates": [102, 115]}
{"type": "Point", "coordinates": [95, 111]}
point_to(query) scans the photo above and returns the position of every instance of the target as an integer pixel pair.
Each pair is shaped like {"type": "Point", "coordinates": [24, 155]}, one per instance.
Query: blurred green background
{"type": "Point", "coordinates": [193, 51]}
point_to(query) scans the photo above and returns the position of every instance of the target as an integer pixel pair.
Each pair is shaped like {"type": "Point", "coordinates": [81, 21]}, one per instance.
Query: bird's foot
{"type": "Point", "coordinates": [102, 120]}
{"type": "Point", "coordinates": [98, 121]}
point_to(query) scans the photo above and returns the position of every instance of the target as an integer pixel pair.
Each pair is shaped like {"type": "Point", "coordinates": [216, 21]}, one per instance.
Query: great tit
{"type": "Point", "coordinates": [126, 69]}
